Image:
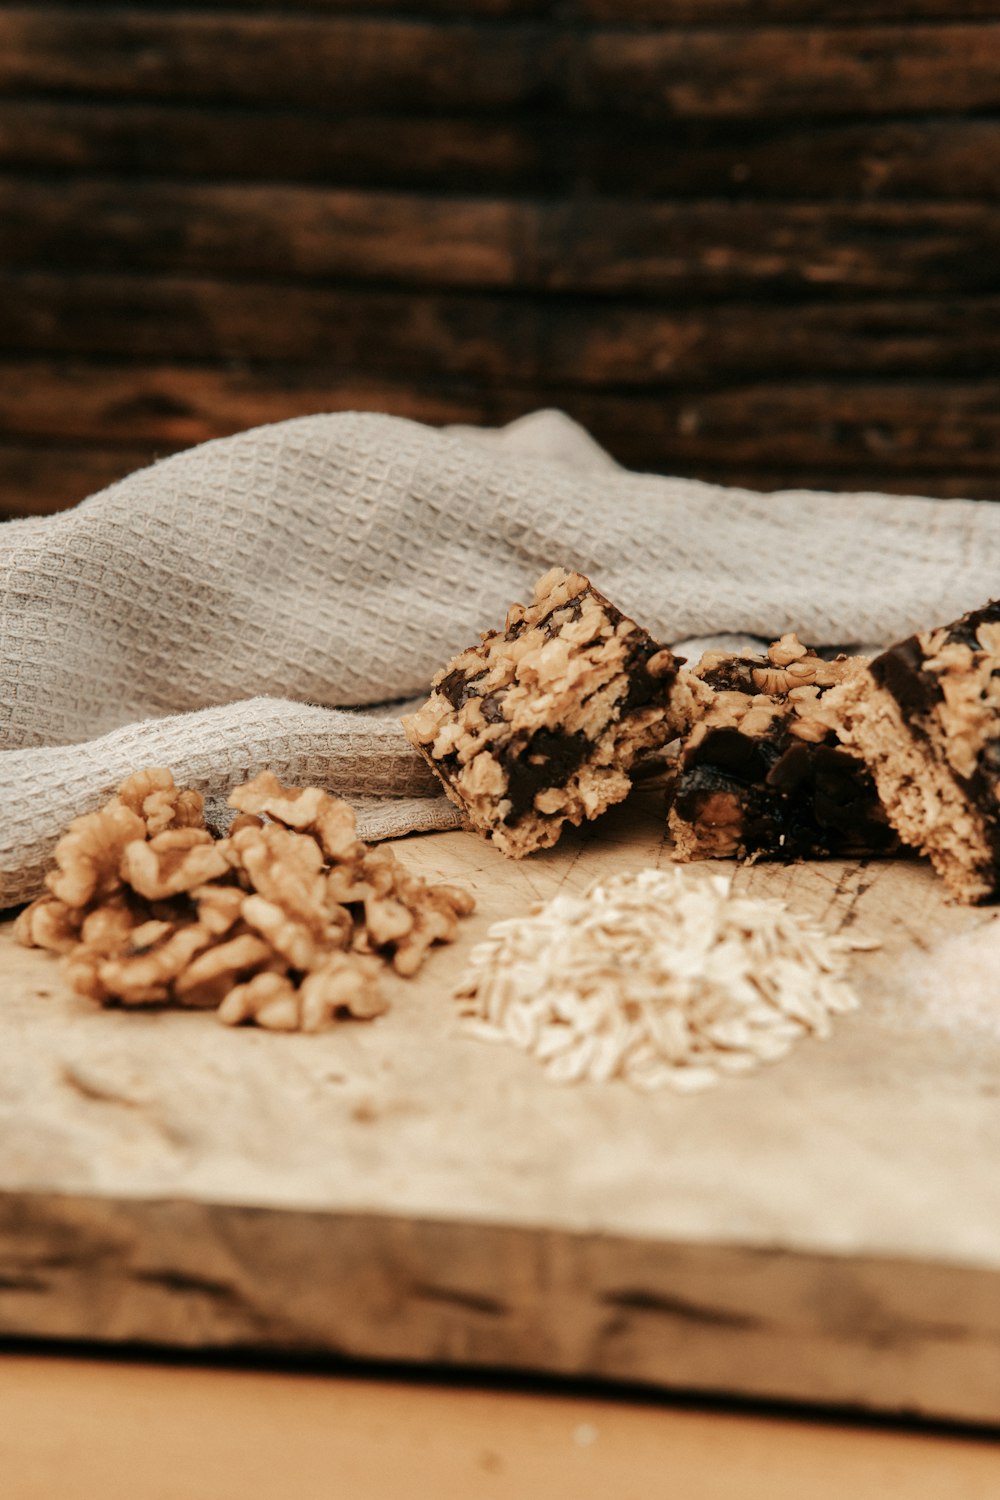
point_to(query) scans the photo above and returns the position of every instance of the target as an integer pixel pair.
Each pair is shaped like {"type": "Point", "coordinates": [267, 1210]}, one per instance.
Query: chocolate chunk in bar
{"type": "Point", "coordinates": [926, 718]}
{"type": "Point", "coordinates": [763, 772]}
{"type": "Point", "coordinates": [540, 724]}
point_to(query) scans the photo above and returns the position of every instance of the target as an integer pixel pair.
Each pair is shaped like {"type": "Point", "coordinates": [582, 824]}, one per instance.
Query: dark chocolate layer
{"type": "Point", "coordinates": [898, 670]}
{"type": "Point", "coordinates": [644, 687]}
{"type": "Point", "coordinates": [964, 630]}
{"type": "Point", "coordinates": [901, 673]}
{"type": "Point", "coordinates": [734, 675]}
{"type": "Point", "coordinates": [551, 756]}
{"type": "Point", "coordinates": [548, 759]}
{"type": "Point", "coordinates": [783, 796]}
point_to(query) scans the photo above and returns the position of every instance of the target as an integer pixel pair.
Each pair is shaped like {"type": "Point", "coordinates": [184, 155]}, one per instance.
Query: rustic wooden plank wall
{"type": "Point", "coordinates": [751, 240]}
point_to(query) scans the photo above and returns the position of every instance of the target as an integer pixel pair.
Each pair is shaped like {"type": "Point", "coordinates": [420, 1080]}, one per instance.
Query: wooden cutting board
{"type": "Point", "coordinates": [825, 1230]}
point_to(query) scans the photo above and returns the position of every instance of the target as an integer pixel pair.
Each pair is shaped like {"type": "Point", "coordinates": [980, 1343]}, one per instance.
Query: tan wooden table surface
{"type": "Point", "coordinates": [100, 1429]}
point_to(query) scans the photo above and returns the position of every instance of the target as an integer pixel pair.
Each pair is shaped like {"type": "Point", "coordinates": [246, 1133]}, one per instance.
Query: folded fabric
{"type": "Point", "coordinates": [240, 604]}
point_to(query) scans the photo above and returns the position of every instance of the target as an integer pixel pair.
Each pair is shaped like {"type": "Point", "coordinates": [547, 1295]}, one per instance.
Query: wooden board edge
{"type": "Point", "coordinates": [889, 1335]}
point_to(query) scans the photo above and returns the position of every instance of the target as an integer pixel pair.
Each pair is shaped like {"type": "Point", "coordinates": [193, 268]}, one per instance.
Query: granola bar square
{"type": "Point", "coordinates": [540, 723]}
{"type": "Point", "coordinates": [763, 773]}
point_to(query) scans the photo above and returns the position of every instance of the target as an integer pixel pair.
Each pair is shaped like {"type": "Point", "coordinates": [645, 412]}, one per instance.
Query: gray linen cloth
{"type": "Point", "coordinates": [268, 599]}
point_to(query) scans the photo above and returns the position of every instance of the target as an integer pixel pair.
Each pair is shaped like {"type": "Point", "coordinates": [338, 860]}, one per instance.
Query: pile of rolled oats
{"type": "Point", "coordinates": [660, 978]}
{"type": "Point", "coordinates": [287, 921]}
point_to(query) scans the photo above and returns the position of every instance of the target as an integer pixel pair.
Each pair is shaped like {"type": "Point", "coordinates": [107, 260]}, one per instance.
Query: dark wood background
{"type": "Point", "coordinates": [750, 240]}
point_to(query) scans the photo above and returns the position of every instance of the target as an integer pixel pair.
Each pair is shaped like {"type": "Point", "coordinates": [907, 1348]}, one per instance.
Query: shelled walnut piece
{"type": "Point", "coordinates": [286, 921]}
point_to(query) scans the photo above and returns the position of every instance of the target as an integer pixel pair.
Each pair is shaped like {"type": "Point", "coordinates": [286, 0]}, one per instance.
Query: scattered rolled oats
{"type": "Point", "coordinates": [661, 978]}
{"type": "Point", "coordinates": [286, 922]}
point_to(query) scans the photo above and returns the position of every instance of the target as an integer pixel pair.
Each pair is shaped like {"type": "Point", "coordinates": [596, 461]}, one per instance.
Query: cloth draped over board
{"type": "Point", "coordinates": [272, 599]}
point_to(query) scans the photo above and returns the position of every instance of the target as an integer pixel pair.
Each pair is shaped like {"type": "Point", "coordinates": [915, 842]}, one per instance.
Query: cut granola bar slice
{"type": "Point", "coordinates": [540, 724]}
{"type": "Point", "coordinates": [926, 718]}
{"type": "Point", "coordinates": [763, 772]}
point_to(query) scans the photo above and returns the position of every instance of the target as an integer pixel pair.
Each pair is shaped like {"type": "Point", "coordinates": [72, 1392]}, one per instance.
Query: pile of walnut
{"type": "Point", "coordinates": [286, 921]}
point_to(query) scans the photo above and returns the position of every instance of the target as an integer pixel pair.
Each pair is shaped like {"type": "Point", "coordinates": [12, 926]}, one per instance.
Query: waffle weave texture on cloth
{"type": "Point", "coordinates": [269, 599]}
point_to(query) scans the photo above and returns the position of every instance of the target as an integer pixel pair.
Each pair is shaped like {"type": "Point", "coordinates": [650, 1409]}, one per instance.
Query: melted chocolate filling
{"type": "Point", "coordinates": [548, 758]}
{"type": "Point", "coordinates": [644, 689]}
{"type": "Point", "coordinates": [734, 675]}
{"type": "Point", "coordinates": [748, 759]}
{"type": "Point", "coordinates": [964, 630]}
{"type": "Point", "coordinates": [798, 800]}
{"type": "Point", "coordinates": [457, 688]}
{"type": "Point", "coordinates": [898, 670]}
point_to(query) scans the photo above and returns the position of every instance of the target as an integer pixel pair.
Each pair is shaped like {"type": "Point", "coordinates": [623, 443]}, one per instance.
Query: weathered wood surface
{"type": "Point", "coordinates": [635, 209]}
{"type": "Point", "coordinates": [367, 150]}
{"type": "Point", "coordinates": [341, 63]}
{"type": "Point", "coordinates": [825, 1230]}
{"type": "Point", "coordinates": [346, 63]}
{"type": "Point", "coordinates": [944, 157]}
{"type": "Point", "coordinates": [491, 339]}
{"type": "Point", "coordinates": [839, 425]}
{"type": "Point", "coordinates": [603, 246]}
{"type": "Point", "coordinates": [612, 12]}
{"type": "Point", "coordinates": [68, 429]}
{"type": "Point", "coordinates": [755, 12]}
{"type": "Point", "coordinates": [41, 477]}
{"type": "Point", "coordinates": [767, 72]}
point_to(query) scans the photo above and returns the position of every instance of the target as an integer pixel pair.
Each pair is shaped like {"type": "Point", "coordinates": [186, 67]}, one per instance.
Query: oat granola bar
{"type": "Point", "coordinates": [540, 724]}
{"type": "Point", "coordinates": [763, 772]}
{"type": "Point", "coordinates": [926, 717]}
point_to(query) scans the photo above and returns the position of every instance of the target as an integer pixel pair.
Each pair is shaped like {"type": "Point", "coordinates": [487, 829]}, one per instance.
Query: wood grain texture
{"type": "Point", "coordinates": [347, 63]}
{"type": "Point", "coordinates": [340, 63]}
{"type": "Point", "coordinates": [765, 72]}
{"type": "Point", "coordinates": [824, 1230]}
{"type": "Point", "coordinates": [178, 406]}
{"type": "Point", "coordinates": [603, 246]}
{"type": "Point", "coordinates": [614, 12]}
{"type": "Point", "coordinates": [640, 211]}
{"type": "Point", "coordinates": [278, 144]}
{"type": "Point", "coordinates": [757, 12]}
{"type": "Point", "coordinates": [420, 10]}
{"type": "Point", "coordinates": [950, 158]}
{"type": "Point", "coordinates": [925, 158]}
{"type": "Point", "coordinates": [802, 426]}
{"type": "Point", "coordinates": [625, 344]}
{"type": "Point", "coordinates": [38, 478]}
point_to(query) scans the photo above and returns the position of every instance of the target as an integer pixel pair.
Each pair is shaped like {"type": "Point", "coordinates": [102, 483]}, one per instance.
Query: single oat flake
{"type": "Point", "coordinates": [662, 978]}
